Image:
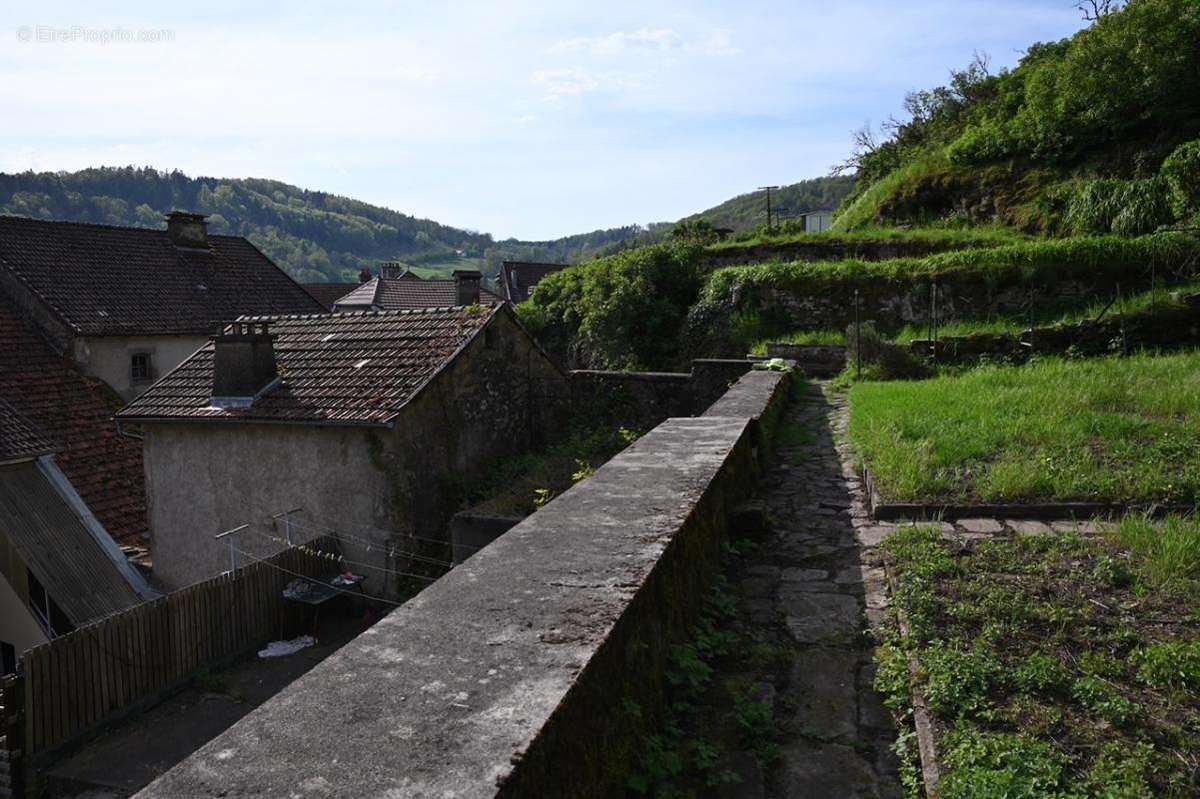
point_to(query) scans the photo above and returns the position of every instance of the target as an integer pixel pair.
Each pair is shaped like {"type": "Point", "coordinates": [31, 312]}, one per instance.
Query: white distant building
{"type": "Point", "coordinates": [817, 221]}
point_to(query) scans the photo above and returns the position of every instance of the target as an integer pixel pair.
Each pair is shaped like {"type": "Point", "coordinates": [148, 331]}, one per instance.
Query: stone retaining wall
{"type": "Point", "coordinates": [1177, 328]}
{"type": "Point", "coordinates": [643, 399]}
{"type": "Point", "coordinates": [814, 360]}
{"type": "Point", "coordinates": [513, 675]}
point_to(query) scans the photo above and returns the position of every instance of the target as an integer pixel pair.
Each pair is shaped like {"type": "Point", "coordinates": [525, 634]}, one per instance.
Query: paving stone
{"type": "Point", "coordinates": [874, 535]}
{"type": "Point", "coordinates": [981, 525]}
{"type": "Point", "coordinates": [825, 771]}
{"type": "Point", "coordinates": [824, 688]}
{"type": "Point", "coordinates": [820, 618]}
{"type": "Point", "coordinates": [798, 575]}
{"type": "Point", "coordinates": [1028, 527]}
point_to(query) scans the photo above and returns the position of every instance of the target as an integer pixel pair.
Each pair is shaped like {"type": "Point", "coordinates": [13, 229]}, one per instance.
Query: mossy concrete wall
{"type": "Point", "coordinates": [516, 674]}
{"type": "Point", "coordinates": [644, 399]}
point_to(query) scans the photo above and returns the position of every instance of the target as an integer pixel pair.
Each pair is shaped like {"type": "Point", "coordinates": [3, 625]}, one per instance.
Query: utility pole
{"type": "Point", "coordinates": [768, 189]}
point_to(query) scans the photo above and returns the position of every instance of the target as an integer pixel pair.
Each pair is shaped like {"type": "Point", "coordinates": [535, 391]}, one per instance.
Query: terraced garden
{"type": "Point", "coordinates": [1052, 665]}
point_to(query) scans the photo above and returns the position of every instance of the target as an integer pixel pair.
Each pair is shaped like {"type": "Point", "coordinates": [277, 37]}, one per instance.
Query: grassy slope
{"type": "Point", "coordinates": [1054, 665]}
{"type": "Point", "coordinates": [1107, 429]}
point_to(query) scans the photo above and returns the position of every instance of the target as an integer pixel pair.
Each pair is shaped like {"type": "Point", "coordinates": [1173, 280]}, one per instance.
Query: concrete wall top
{"type": "Point", "coordinates": [446, 695]}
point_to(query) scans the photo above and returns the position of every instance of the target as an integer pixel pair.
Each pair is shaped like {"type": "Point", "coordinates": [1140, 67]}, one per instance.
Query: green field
{"type": "Point", "coordinates": [1121, 430]}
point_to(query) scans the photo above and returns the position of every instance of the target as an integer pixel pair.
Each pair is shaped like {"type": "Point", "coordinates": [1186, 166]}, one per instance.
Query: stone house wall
{"type": "Point", "coordinates": [382, 488]}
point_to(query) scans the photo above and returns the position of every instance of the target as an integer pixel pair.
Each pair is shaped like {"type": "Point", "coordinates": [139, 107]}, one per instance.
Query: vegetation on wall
{"type": "Point", "coordinates": [737, 303]}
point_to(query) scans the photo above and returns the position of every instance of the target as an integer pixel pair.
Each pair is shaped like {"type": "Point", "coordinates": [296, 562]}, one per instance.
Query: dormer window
{"type": "Point", "coordinates": [141, 368]}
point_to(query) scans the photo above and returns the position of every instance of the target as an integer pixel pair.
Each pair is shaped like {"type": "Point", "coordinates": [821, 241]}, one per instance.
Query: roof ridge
{"type": "Point", "coordinates": [365, 312]}
{"type": "Point", "coordinates": [107, 226]}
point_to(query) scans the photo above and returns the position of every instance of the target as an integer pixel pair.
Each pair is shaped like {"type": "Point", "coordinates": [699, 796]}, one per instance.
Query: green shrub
{"type": "Point", "coordinates": [1181, 171]}
{"type": "Point", "coordinates": [620, 312]}
{"type": "Point", "coordinates": [982, 143]}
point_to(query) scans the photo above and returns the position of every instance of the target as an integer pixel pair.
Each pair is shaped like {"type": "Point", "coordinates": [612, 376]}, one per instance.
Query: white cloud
{"type": "Point", "coordinates": [559, 83]}
{"type": "Point", "coordinates": [619, 42]}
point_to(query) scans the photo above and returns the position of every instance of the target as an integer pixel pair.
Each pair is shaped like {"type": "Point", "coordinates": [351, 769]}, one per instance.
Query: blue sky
{"type": "Point", "coordinates": [522, 119]}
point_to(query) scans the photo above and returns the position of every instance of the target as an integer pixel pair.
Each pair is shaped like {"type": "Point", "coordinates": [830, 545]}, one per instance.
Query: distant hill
{"type": "Point", "coordinates": [318, 236]}
{"type": "Point", "coordinates": [747, 211]}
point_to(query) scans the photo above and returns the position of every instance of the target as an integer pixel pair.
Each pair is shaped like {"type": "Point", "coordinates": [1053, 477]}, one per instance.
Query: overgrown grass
{"type": "Point", "coordinates": [1054, 665]}
{"type": "Point", "coordinates": [1124, 430]}
{"type": "Point", "coordinates": [806, 337]}
{"type": "Point", "coordinates": [1166, 552]}
{"type": "Point", "coordinates": [933, 238]}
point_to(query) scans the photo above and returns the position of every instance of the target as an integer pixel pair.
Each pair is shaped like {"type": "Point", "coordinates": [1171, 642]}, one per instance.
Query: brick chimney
{"type": "Point", "coordinates": [187, 229]}
{"type": "Point", "coordinates": [243, 364]}
{"type": "Point", "coordinates": [392, 270]}
{"type": "Point", "coordinates": [364, 275]}
{"type": "Point", "coordinates": [466, 283]}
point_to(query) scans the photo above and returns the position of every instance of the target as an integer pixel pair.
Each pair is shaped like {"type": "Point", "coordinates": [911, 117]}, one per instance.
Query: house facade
{"type": "Point", "coordinates": [363, 422]}
{"type": "Point", "coordinates": [126, 305]}
{"type": "Point", "coordinates": [519, 278]}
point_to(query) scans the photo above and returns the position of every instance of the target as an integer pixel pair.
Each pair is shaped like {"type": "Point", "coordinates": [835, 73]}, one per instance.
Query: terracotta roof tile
{"type": "Point", "coordinates": [104, 280]}
{"type": "Point", "coordinates": [408, 293]}
{"type": "Point", "coordinates": [20, 439]}
{"type": "Point", "coordinates": [75, 414]}
{"type": "Point", "coordinates": [329, 293]}
{"type": "Point", "coordinates": [351, 368]}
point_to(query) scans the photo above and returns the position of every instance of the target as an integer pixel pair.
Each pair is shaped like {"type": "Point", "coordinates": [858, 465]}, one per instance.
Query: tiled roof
{"type": "Point", "coordinates": [75, 414]}
{"type": "Point", "coordinates": [354, 368]}
{"type": "Point", "coordinates": [103, 280]}
{"type": "Point", "coordinates": [329, 293]}
{"type": "Point", "coordinates": [408, 293]}
{"type": "Point", "coordinates": [517, 278]}
{"type": "Point", "coordinates": [20, 438]}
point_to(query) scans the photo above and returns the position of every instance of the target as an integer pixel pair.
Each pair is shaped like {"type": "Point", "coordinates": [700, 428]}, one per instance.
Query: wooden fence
{"type": "Point", "coordinates": [10, 753]}
{"type": "Point", "coordinates": [78, 681]}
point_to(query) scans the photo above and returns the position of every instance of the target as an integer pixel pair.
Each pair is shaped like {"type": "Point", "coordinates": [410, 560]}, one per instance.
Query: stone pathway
{"type": "Point", "coordinates": [824, 583]}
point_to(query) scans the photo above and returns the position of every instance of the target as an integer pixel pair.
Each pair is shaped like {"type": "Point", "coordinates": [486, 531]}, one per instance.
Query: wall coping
{"type": "Point", "coordinates": [450, 694]}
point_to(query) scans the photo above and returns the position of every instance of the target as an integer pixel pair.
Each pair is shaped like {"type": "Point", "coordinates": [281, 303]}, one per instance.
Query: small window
{"type": "Point", "coordinates": [8, 658]}
{"type": "Point", "coordinates": [140, 367]}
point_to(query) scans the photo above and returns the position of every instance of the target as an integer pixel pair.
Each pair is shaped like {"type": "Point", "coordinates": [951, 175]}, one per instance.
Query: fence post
{"type": "Point", "coordinates": [857, 340]}
{"type": "Point", "coordinates": [12, 721]}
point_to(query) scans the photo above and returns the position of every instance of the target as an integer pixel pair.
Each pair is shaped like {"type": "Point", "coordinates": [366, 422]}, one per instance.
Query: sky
{"type": "Point", "coordinates": [521, 119]}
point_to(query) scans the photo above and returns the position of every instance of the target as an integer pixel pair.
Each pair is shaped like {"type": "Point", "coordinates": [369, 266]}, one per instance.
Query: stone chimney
{"type": "Point", "coordinates": [392, 270]}
{"type": "Point", "coordinates": [466, 282]}
{"type": "Point", "coordinates": [187, 230]}
{"type": "Point", "coordinates": [243, 364]}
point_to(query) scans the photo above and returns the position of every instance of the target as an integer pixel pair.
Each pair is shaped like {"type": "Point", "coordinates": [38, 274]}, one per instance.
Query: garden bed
{"type": "Point", "coordinates": [1078, 436]}
{"type": "Point", "coordinates": [1054, 665]}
